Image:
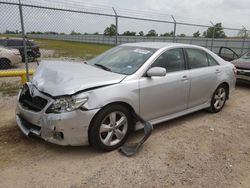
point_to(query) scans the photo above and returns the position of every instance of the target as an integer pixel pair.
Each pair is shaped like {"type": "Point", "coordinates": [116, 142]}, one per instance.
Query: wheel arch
{"type": "Point", "coordinates": [2, 58]}
{"type": "Point", "coordinates": [227, 87]}
{"type": "Point", "coordinates": [8, 60]}
{"type": "Point", "coordinates": [124, 104]}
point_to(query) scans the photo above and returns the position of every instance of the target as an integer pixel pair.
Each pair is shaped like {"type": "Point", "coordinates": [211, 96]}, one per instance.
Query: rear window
{"type": "Point", "coordinates": [29, 43]}
{"type": "Point", "coordinates": [211, 60]}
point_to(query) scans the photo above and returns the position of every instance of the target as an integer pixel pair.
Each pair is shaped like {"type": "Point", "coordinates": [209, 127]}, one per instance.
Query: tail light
{"type": "Point", "coordinates": [235, 70]}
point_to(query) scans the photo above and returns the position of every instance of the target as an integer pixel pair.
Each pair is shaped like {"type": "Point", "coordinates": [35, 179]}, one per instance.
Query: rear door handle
{"type": "Point", "coordinates": [217, 70]}
{"type": "Point", "coordinates": [184, 78]}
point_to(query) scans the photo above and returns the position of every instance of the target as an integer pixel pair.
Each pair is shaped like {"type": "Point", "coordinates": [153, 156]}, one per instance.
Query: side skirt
{"type": "Point", "coordinates": [139, 126]}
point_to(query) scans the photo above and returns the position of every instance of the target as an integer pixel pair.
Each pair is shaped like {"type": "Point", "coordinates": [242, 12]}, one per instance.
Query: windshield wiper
{"type": "Point", "coordinates": [103, 67]}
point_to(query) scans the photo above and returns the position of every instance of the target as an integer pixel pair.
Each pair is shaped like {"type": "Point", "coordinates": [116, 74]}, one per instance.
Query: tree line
{"type": "Point", "coordinates": [215, 31]}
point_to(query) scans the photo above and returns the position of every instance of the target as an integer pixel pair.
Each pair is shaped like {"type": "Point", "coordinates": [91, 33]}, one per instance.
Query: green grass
{"type": "Point", "coordinates": [72, 49]}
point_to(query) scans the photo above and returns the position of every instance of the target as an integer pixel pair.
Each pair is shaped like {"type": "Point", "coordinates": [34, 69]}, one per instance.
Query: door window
{"type": "Point", "coordinates": [196, 58]}
{"type": "Point", "coordinates": [211, 60]}
{"type": "Point", "coordinates": [171, 60]}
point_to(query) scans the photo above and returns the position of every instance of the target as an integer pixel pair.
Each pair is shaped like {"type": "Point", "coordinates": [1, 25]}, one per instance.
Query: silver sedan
{"type": "Point", "coordinates": [77, 103]}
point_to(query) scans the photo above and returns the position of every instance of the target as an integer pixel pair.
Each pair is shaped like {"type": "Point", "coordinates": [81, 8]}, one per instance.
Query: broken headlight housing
{"type": "Point", "coordinates": [66, 104]}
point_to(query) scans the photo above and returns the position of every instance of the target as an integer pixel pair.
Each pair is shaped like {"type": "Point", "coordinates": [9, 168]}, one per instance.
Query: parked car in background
{"type": "Point", "coordinates": [77, 104]}
{"type": "Point", "coordinates": [241, 62]}
{"type": "Point", "coordinates": [33, 51]}
{"type": "Point", "coordinates": [9, 57]}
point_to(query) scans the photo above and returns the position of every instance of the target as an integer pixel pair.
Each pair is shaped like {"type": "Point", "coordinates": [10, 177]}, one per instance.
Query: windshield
{"type": "Point", "coordinates": [246, 56]}
{"type": "Point", "coordinates": [123, 59]}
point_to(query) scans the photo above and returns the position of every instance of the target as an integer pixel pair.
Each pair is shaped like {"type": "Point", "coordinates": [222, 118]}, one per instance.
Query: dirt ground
{"type": "Point", "coordinates": [198, 150]}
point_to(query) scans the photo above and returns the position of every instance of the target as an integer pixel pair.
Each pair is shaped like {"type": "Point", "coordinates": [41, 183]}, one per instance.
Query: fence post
{"type": "Point", "coordinates": [24, 41]}
{"type": "Point", "coordinates": [174, 34]}
{"type": "Point", "coordinates": [212, 42]}
{"type": "Point", "coordinates": [243, 42]}
{"type": "Point", "coordinates": [116, 26]}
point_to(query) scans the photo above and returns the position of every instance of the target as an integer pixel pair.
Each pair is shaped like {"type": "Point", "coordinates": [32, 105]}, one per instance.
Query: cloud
{"type": "Point", "coordinates": [230, 12]}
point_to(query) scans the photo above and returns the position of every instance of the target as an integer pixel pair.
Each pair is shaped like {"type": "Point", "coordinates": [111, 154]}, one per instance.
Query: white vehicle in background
{"type": "Point", "coordinates": [9, 57]}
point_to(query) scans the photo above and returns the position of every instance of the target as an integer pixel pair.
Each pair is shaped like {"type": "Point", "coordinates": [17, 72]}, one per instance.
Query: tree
{"type": "Point", "coordinates": [243, 33]}
{"type": "Point", "coordinates": [110, 31]}
{"type": "Point", "coordinates": [141, 33]}
{"type": "Point", "coordinates": [168, 34]}
{"type": "Point", "coordinates": [152, 33]}
{"type": "Point", "coordinates": [196, 34]}
{"type": "Point", "coordinates": [74, 33]}
{"type": "Point", "coordinates": [182, 35]}
{"type": "Point", "coordinates": [218, 31]}
{"type": "Point", "coordinates": [96, 33]}
{"type": "Point", "coordinates": [9, 32]}
{"type": "Point", "coordinates": [128, 33]}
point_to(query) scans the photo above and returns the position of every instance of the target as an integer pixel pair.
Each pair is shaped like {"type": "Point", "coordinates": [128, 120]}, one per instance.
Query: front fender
{"type": "Point", "coordinates": [127, 92]}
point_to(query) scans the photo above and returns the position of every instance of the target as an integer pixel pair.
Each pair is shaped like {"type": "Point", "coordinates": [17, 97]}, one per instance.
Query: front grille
{"type": "Point", "coordinates": [35, 103]}
{"type": "Point", "coordinates": [29, 125]}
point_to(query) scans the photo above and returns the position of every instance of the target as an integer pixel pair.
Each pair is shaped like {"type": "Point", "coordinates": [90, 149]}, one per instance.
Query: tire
{"type": "Point", "coordinates": [219, 99]}
{"type": "Point", "coordinates": [5, 63]}
{"type": "Point", "coordinates": [106, 133]}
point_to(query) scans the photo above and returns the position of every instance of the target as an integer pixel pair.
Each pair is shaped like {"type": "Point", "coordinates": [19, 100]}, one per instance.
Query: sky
{"type": "Point", "coordinates": [232, 13]}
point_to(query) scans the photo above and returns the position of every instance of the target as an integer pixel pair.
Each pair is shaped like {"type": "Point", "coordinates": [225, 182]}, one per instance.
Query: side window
{"type": "Point", "coordinates": [171, 60]}
{"type": "Point", "coordinates": [196, 58]}
{"type": "Point", "coordinates": [15, 43]}
{"type": "Point", "coordinates": [211, 60]}
{"type": "Point", "coordinates": [12, 43]}
{"type": "Point", "coordinates": [3, 42]}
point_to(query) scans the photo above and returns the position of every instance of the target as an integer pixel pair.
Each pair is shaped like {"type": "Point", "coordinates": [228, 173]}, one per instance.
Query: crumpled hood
{"type": "Point", "coordinates": [66, 78]}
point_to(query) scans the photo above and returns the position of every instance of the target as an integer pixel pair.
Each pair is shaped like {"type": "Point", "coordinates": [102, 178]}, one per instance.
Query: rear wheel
{"type": "Point", "coordinates": [219, 99]}
{"type": "Point", "coordinates": [110, 128]}
{"type": "Point", "coordinates": [5, 63]}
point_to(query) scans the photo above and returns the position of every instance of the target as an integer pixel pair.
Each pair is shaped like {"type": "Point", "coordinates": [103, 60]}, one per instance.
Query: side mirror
{"type": "Point", "coordinates": [156, 71]}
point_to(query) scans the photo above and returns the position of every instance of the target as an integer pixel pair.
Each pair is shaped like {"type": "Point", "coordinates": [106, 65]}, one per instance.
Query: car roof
{"type": "Point", "coordinates": [159, 45]}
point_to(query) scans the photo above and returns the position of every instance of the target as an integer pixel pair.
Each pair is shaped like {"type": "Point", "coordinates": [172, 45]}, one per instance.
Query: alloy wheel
{"type": "Point", "coordinates": [219, 98]}
{"type": "Point", "coordinates": [113, 128]}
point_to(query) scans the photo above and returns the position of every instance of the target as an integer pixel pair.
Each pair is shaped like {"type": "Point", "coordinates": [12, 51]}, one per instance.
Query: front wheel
{"type": "Point", "coordinates": [110, 128]}
{"type": "Point", "coordinates": [219, 99]}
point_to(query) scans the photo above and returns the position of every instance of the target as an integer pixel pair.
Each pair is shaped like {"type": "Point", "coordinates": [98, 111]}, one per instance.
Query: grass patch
{"type": "Point", "coordinates": [9, 89]}
{"type": "Point", "coordinates": [73, 49]}
{"type": "Point", "coordinates": [70, 48]}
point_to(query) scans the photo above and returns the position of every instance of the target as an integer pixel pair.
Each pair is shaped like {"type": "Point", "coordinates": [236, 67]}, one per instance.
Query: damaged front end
{"type": "Point", "coordinates": [40, 115]}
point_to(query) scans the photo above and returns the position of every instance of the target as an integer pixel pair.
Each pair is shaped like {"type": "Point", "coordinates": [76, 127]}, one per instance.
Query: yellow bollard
{"type": "Point", "coordinates": [17, 73]}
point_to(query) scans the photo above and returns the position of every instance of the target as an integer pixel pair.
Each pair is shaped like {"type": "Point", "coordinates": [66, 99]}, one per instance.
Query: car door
{"type": "Point", "coordinates": [203, 76]}
{"type": "Point", "coordinates": [161, 96]}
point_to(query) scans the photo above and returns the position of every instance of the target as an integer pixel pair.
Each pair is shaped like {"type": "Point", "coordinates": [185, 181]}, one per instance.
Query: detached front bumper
{"type": "Point", "coordinates": [69, 128]}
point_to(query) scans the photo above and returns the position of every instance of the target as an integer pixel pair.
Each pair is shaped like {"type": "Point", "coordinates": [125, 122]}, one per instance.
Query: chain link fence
{"type": "Point", "coordinates": [31, 31]}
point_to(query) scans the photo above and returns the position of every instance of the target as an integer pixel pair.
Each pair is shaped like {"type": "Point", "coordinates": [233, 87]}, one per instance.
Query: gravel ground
{"type": "Point", "coordinates": [197, 150]}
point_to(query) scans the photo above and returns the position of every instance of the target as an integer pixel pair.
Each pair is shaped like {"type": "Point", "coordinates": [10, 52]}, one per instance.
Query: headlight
{"type": "Point", "coordinates": [67, 104]}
